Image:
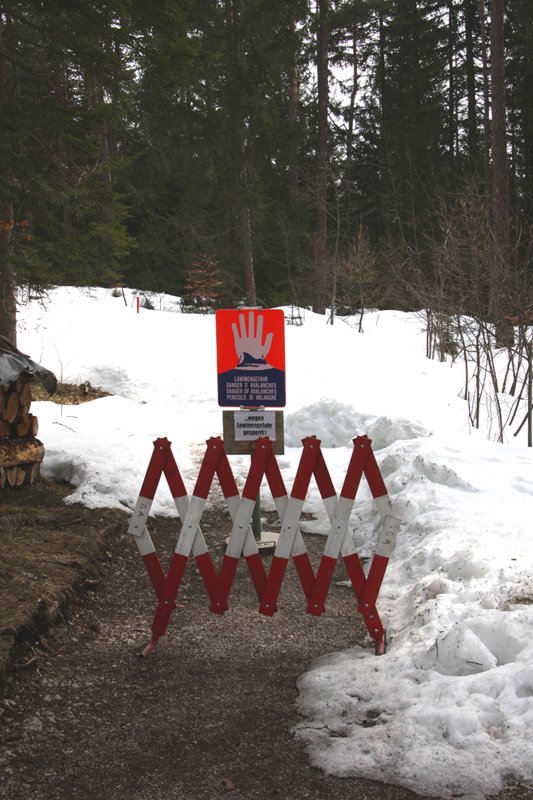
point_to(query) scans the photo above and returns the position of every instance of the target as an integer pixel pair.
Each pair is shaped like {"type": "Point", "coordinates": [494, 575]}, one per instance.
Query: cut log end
{"type": "Point", "coordinates": [15, 418]}
{"type": "Point", "coordinates": [21, 475]}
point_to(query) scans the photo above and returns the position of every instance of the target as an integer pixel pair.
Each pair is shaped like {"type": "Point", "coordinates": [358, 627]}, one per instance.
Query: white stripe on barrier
{"type": "Point", "coordinates": [233, 505]}
{"type": "Point", "coordinates": [339, 527]}
{"type": "Point", "coordinates": [241, 528]}
{"type": "Point", "coordinates": [281, 503]}
{"type": "Point", "coordinates": [289, 528]}
{"type": "Point", "coordinates": [384, 506]}
{"type": "Point", "coordinates": [145, 545]}
{"type": "Point", "coordinates": [139, 516]}
{"type": "Point", "coordinates": [137, 526]}
{"type": "Point", "coordinates": [330, 504]}
{"type": "Point", "coordinates": [348, 547]}
{"type": "Point", "coordinates": [389, 527]}
{"type": "Point", "coordinates": [387, 536]}
{"type": "Point", "coordinates": [199, 546]}
{"type": "Point", "coordinates": [190, 526]}
{"type": "Point", "coordinates": [182, 506]}
{"type": "Point", "coordinates": [249, 547]}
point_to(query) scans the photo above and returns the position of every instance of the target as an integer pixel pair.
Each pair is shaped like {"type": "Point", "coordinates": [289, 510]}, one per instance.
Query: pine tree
{"type": "Point", "coordinates": [203, 287]}
{"type": "Point", "coordinates": [62, 68]}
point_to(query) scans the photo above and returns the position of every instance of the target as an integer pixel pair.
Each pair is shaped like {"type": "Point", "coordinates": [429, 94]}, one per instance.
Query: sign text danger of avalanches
{"type": "Point", "coordinates": [251, 357]}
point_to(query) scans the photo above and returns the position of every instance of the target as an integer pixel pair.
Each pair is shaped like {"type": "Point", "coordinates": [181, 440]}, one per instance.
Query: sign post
{"type": "Point", "coordinates": [251, 377]}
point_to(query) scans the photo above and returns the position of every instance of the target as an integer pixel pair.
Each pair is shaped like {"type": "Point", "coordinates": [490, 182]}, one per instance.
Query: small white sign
{"type": "Point", "coordinates": [249, 425]}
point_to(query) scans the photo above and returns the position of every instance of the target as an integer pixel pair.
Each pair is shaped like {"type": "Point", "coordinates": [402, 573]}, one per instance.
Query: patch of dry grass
{"type": "Point", "coordinates": [47, 550]}
{"type": "Point", "coordinates": [68, 393]}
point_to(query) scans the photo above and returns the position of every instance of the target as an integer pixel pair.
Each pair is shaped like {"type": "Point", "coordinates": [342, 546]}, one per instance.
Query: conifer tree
{"type": "Point", "coordinates": [203, 287]}
{"type": "Point", "coordinates": [61, 72]}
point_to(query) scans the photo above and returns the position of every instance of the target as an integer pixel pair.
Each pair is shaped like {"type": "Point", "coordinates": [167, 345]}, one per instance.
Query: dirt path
{"type": "Point", "coordinates": [208, 713]}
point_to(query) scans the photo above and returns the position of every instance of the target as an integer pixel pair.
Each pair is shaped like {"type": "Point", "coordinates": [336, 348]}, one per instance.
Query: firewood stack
{"type": "Point", "coordinates": [21, 453]}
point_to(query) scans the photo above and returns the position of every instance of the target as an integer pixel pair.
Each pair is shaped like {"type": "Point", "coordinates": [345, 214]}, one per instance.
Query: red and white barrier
{"type": "Point", "coordinates": [241, 543]}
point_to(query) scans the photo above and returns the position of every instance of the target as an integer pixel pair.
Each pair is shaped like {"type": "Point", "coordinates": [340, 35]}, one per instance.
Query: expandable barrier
{"type": "Point", "coordinates": [241, 543]}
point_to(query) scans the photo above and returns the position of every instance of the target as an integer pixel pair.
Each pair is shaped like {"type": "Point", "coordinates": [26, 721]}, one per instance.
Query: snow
{"type": "Point", "coordinates": [448, 710]}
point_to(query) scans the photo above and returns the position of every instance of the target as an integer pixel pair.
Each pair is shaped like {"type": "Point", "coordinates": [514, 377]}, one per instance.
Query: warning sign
{"type": "Point", "coordinates": [249, 425]}
{"type": "Point", "coordinates": [251, 357]}
{"type": "Point", "coordinates": [241, 429]}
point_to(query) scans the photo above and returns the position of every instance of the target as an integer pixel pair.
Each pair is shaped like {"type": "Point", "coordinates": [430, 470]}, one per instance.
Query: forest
{"type": "Point", "coordinates": [334, 154]}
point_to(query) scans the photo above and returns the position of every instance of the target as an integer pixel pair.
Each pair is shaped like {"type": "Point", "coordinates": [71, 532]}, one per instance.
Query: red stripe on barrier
{"type": "Point", "coordinates": [323, 478]}
{"type": "Point", "coordinates": [356, 467]}
{"type": "Point", "coordinates": [257, 571]}
{"type": "Point", "coordinates": [173, 476]}
{"type": "Point", "coordinates": [374, 580]}
{"type": "Point", "coordinates": [305, 467]}
{"type": "Point", "coordinates": [274, 478]}
{"type": "Point", "coordinates": [155, 572]}
{"type": "Point", "coordinates": [373, 624]}
{"type": "Point", "coordinates": [225, 579]}
{"type": "Point", "coordinates": [167, 597]}
{"type": "Point", "coordinates": [155, 468]}
{"type": "Point", "coordinates": [358, 581]}
{"type": "Point", "coordinates": [226, 477]}
{"type": "Point", "coordinates": [374, 476]}
{"type": "Point", "coordinates": [324, 575]}
{"type": "Point", "coordinates": [356, 574]}
{"type": "Point", "coordinates": [208, 573]}
{"type": "Point", "coordinates": [268, 602]}
{"type": "Point", "coordinates": [305, 573]}
{"type": "Point", "coordinates": [215, 447]}
{"type": "Point", "coordinates": [260, 459]}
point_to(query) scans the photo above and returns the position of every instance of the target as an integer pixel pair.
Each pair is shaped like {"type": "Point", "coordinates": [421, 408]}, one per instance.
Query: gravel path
{"type": "Point", "coordinates": [209, 713]}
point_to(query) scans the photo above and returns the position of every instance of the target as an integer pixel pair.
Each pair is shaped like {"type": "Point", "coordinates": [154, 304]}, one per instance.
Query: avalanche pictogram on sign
{"type": "Point", "coordinates": [241, 543]}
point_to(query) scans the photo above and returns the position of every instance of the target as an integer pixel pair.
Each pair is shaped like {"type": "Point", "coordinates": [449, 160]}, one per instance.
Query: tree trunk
{"type": "Point", "coordinates": [471, 130]}
{"type": "Point", "coordinates": [349, 171]}
{"type": "Point", "coordinates": [293, 118]}
{"type": "Point", "coordinates": [353, 93]}
{"type": "Point", "coordinates": [486, 96]}
{"type": "Point", "coordinates": [247, 246]}
{"type": "Point", "coordinates": [320, 255]}
{"type": "Point", "coordinates": [293, 238]}
{"type": "Point", "coordinates": [8, 284]}
{"type": "Point", "coordinates": [500, 188]}
{"type": "Point", "coordinates": [452, 117]}
{"type": "Point", "coordinates": [500, 284]}
{"type": "Point", "coordinates": [237, 135]}
{"type": "Point", "coordinates": [381, 67]}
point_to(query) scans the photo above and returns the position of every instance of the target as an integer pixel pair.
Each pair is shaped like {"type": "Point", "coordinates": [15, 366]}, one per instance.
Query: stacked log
{"type": "Point", "coordinates": [21, 453]}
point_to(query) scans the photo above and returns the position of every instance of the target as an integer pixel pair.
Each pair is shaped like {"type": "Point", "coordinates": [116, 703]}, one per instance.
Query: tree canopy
{"type": "Point", "coordinates": [310, 153]}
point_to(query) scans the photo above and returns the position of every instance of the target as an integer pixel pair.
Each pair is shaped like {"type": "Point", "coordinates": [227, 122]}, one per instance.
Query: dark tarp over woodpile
{"type": "Point", "coordinates": [13, 364]}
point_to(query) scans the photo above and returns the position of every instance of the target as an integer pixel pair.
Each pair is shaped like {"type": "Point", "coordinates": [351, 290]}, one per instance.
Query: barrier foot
{"type": "Point", "coordinates": [148, 649]}
{"type": "Point", "coordinates": [381, 645]}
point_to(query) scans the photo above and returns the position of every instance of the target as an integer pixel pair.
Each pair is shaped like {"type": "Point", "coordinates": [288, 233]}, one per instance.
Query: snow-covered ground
{"type": "Point", "coordinates": [448, 710]}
